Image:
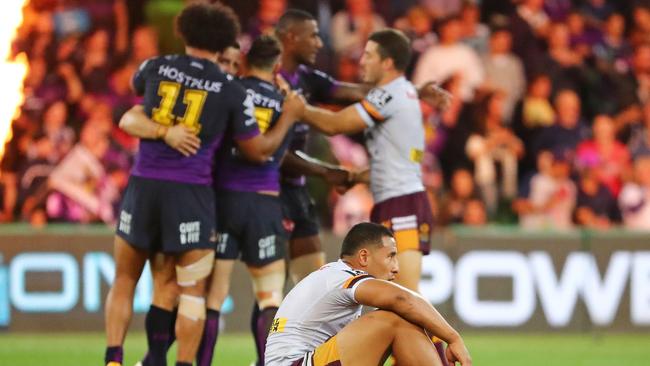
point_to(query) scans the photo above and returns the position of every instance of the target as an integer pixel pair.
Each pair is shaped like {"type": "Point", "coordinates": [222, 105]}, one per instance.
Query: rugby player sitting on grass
{"type": "Point", "coordinates": [319, 322]}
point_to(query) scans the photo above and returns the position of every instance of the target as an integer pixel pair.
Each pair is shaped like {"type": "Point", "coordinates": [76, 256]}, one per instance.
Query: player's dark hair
{"type": "Point", "coordinates": [289, 18]}
{"type": "Point", "coordinates": [393, 44]}
{"type": "Point", "coordinates": [205, 26]}
{"type": "Point", "coordinates": [365, 233]}
{"type": "Point", "coordinates": [264, 52]}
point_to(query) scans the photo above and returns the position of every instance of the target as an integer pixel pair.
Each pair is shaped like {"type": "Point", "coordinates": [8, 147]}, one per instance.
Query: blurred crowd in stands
{"type": "Point", "coordinates": [549, 125]}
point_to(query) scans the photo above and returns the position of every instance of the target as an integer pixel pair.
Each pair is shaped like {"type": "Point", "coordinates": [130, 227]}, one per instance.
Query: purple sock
{"type": "Point", "coordinates": [440, 347]}
{"type": "Point", "coordinates": [172, 326]}
{"type": "Point", "coordinates": [159, 324]}
{"type": "Point", "coordinates": [254, 316]}
{"type": "Point", "coordinates": [114, 354]}
{"type": "Point", "coordinates": [209, 338]}
{"type": "Point", "coordinates": [264, 321]}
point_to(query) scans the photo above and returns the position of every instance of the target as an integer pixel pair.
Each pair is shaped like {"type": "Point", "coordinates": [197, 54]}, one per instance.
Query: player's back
{"type": "Point", "coordinates": [395, 144]}
{"type": "Point", "coordinates": [233, 171]}
{"type": "Point", "coordinates": [317, 308]}
{"type": "Point", "coordinates": [194, 92]}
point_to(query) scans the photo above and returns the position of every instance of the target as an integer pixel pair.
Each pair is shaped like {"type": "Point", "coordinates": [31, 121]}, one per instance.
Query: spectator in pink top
{"type": "Point", "coordinates": [610, 157]}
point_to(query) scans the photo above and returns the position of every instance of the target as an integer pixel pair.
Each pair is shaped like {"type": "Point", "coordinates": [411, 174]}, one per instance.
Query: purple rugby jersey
{"type": "Point", "coordinates": [317, 87]}
{"type": "Point", "coordinates": [232, 171]}
{"type": "Point", "coordinates": [193, 91]}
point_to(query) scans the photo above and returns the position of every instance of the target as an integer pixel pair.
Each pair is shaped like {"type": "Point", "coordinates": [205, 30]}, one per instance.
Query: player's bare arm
{"type": "Point", "coordinates": [360, 177]}
{"type": "Point", "coordinates": [261, 147]}
{"type": "Point", "coordinates": [430, 93]}
{"type": "Point", "coordinates": [415, 309]}
{"type": "Point", "coordinates": [298, 163]}
{"type": "Point", "coordinates": [136, 123]}
{"type": "Point", "coordinates": [435, 96]}
{"type": "Point", "coordinates": [347, 120]}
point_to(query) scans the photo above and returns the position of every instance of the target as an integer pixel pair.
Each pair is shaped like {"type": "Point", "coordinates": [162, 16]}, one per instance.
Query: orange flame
{"type": "Point", "coordinates": [12, 72]}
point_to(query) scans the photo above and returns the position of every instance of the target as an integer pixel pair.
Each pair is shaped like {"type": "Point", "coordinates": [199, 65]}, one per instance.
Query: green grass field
{"type": "Point", "coordinates": [237, 350]}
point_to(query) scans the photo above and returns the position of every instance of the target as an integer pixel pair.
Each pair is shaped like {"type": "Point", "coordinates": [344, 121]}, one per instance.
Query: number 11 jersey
{"type": "Point", "coordinates": [194, 92]}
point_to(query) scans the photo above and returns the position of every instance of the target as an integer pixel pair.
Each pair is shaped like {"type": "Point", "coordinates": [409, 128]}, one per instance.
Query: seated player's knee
{"type": "Point", "coordinates": [392, 320]}
{"type": "Point", "coordinates": [194, 275]}
{"type": "Point", "coordinates": [192, 307]}
{"type": "Point", "coordinates": [268, 289]}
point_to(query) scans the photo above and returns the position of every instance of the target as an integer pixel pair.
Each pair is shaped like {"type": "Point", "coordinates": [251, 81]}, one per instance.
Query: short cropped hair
{"type": "Point", "coordinates": [395, 45]}
{"type": "Point", "coordinates": [364, 234]}
{"type": "Point", "coordinates": [264, 52]}
{"type": "Point", "coordinates": [209, 27]}
{"type": "Point", "coordinates": [291, 17]}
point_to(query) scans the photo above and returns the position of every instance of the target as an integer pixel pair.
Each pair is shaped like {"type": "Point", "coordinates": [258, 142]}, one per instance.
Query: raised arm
{"type": "Point", "coordinates": [430, 93]}
{"type": "Point", "coordinates": [350, 91]}
{"type": "Point", "coordinates": [347, 120]}
{"type": "Point", "coordinates": [415, 309]}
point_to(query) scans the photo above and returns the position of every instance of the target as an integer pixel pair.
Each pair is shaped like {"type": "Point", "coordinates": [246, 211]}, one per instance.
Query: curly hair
{"type": "Point", "coordinates": [210, 27]}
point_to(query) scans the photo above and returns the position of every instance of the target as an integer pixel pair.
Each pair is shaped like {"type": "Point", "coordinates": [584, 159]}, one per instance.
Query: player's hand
{"type": "Point", "coordinates": [182, 139]}
{"type": "Point", "coordinates": [353, 179]}
{"type": "Point", "coordinates": [282, 84]}
{"type": "Point", "coordinates": [457, 352]}
{"type": "Point", "coordinates": [337, 177]}
{"type": "Point", "coordinates": [294, 104]}
{"type": "Point", "coordinates": [435, 96]}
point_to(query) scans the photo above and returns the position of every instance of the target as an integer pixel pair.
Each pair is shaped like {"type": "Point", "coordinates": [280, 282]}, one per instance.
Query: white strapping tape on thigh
{"type": "Point", "coordinates": [268, 289]}
{"type": "Point", "coordinates": [192, 307]}
{"type": "Point", "coordinates": [188, 275]}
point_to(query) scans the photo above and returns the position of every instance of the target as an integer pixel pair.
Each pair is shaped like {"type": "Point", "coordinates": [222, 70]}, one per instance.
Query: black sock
{"type": "Point", "coordinates": [254, 316]}
{"type": "Point", "coordinates": [113, 354]}
{"type": "Point", "coordinates": [159, 324]}
{"type": "Point", "coordinates": [183, 364]}
{"type": "Point", "coordinates": [264, 321]}
{"type": "Point", "coordinates": [209, 338]}
{"type": "Point", "coordinates": [172, 326]}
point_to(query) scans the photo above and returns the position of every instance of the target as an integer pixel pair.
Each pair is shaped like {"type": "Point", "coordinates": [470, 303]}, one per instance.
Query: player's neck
{"type": "Point", "coordinates": [198, 53]}
{"type": "Point", "coordinates": [389, 76]}
{"type": "Point", "coordinates": [289, 63]}
{"type": "Point", "coordinates": [351, 263]}
{"type": "Point", "coordinates": [261, 74]}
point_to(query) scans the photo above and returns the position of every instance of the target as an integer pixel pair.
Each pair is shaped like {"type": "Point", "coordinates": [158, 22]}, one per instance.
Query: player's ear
{"type": "Point", "coordinates": [363, 255]}
{"type": "Point", "coordinates": [388, 63]}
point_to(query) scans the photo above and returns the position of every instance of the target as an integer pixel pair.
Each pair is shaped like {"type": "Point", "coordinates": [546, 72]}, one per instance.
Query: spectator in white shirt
{"type": "Point", "coordinates": [504, 70]}
{"type": "Point", "coordinates": [552, 197]}
{"type": "Point", "coordinates": [451, 57]}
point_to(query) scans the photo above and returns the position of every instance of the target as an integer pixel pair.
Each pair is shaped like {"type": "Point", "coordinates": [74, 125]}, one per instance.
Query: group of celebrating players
{"type": "Point", "coordinates": [219, 176]}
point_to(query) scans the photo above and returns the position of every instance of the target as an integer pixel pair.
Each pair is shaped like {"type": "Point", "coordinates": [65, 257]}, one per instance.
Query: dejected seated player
{"type": "Point", "coordinates": [320, 324]}
{"type": "Point", "coordinates": [168, 206]}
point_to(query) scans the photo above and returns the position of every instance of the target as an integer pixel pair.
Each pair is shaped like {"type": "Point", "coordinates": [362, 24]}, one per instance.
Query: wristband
{"type": "Point", "coordinates": [161, 131]}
